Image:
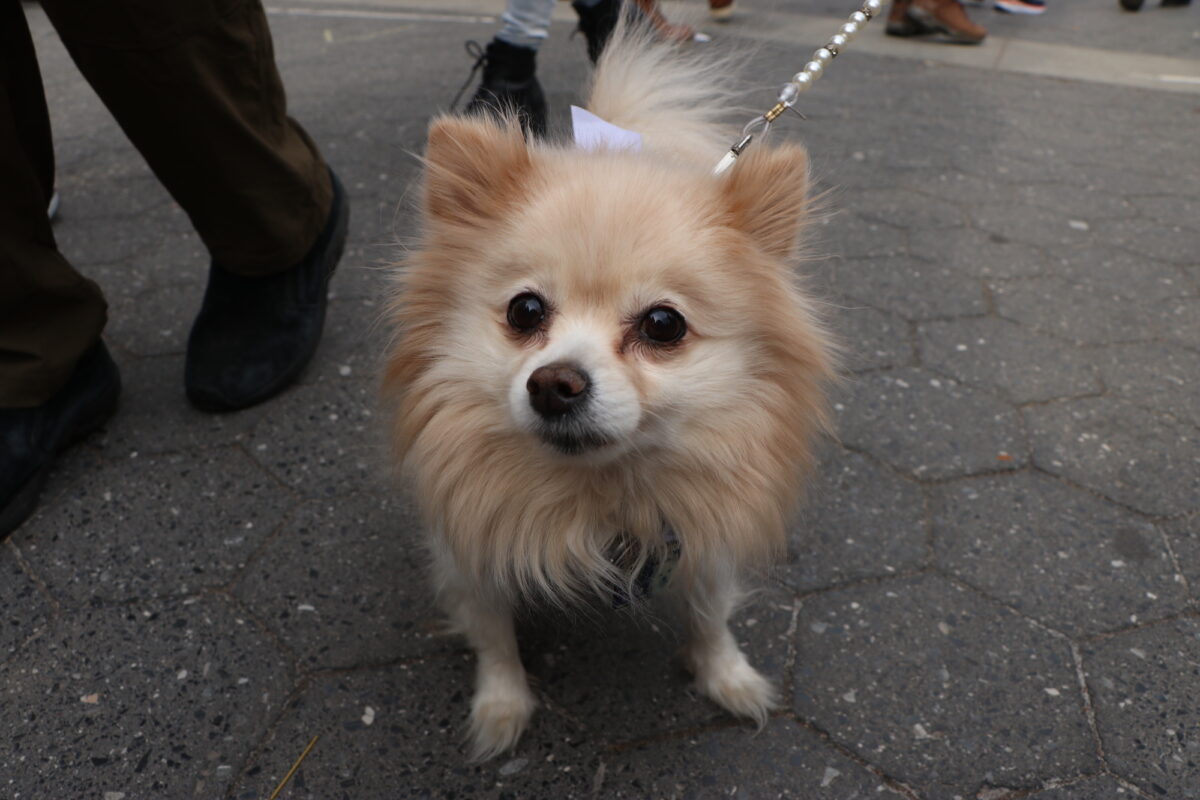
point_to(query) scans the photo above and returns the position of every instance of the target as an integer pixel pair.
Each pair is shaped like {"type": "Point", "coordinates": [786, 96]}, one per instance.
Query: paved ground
{"type": "Point", "coordinates": [992, 595]}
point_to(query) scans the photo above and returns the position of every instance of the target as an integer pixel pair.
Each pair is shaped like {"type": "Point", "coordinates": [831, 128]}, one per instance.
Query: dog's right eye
{"type": "Point", "coordinates": [526, 312]}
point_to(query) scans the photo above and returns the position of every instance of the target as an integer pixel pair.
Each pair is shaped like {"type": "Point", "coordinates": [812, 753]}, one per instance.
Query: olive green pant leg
{"type": "Point", "coordinates": [194, 85]}
{"type": "Point", "coordinates": [50, 315]}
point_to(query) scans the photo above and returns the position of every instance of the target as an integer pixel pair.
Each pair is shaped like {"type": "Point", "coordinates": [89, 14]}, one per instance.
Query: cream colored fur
{"type": "Point", "coordinates": [711, 437]}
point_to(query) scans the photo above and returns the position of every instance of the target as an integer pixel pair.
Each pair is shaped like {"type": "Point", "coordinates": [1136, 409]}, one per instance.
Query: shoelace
{"type": "Point", "coordinates": [475, 51]}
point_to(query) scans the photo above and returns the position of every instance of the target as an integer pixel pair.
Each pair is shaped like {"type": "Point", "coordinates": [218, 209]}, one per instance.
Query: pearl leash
{"type": "Point", "coordinates": [802, 81]}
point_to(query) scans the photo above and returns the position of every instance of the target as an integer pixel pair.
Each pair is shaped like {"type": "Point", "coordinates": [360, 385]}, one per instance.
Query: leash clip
{"type": "Point", "coordinates": [748, 134]}
{"type": "Point", "coordinates": [735, 151]}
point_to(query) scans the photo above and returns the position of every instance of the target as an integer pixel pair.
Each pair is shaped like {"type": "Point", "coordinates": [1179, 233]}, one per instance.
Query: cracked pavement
{"type": "Point", "coordinates": [992, 591]}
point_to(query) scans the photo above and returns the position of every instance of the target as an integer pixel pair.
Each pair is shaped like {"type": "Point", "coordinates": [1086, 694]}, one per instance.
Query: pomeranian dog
{"type": "Point", "coordinates": [603, 362]}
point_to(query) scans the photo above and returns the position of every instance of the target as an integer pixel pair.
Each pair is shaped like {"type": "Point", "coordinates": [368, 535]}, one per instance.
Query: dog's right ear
{"type": "Point", "coordinates": [474, 168]}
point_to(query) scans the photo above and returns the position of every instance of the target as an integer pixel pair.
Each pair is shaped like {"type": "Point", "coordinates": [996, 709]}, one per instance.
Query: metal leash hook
{"type": "Point", "coordinates": [748, 134]}
{"type": "Point", "coordinates": [801, 81]}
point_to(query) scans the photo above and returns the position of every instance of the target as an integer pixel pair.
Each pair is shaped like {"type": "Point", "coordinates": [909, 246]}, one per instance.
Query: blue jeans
{"type": "Point", "coordinates": [526, 21]}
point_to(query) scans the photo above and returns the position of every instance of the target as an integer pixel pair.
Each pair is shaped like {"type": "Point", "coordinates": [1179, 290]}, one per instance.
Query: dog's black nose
{"type": "Point", "coordinates": [556, 389]}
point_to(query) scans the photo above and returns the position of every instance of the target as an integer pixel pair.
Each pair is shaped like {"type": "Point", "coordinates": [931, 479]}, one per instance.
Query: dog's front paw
{"type": "Point", "coordinates": [739, 688]}
{"type": "Point", "coordinates": [499, 714]}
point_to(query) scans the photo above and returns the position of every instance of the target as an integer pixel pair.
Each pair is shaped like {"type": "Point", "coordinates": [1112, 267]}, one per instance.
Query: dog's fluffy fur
{"type": "Point", "coordinates": [709, 437]}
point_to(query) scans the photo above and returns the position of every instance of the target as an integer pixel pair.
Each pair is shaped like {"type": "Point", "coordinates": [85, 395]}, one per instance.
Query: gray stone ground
{"type": "Point", "coordinates": [991, 595]}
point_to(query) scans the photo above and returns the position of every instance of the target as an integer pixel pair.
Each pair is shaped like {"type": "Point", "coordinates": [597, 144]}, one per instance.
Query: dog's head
{"type": "Point", "coordinates": [603, 304]}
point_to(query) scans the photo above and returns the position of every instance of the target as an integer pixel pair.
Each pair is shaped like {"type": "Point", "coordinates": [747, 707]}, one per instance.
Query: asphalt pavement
{"type": "Point", "coordinates": [993, 592]}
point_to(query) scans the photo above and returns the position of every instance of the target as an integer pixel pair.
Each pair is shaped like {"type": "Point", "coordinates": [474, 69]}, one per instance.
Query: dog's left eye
{"type": "Point", "coordinates": [663, 325]}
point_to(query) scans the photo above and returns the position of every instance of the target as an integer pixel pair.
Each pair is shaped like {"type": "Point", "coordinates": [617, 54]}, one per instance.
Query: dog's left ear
{"type": "Point", "coordinates": [767, 193]}
{"type": "Point", "coordinates": [474, 168]}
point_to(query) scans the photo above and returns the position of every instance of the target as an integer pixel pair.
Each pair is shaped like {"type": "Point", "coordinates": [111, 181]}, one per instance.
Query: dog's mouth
{"type": "Point", "coordinates": [573, 441]}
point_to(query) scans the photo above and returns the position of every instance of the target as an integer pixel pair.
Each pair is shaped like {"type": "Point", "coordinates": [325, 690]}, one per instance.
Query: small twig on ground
{"type": "Point", "coordinates": [295, 767]}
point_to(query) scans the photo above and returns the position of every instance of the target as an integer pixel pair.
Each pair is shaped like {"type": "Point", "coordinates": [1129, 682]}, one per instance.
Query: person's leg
{"type": "Point", "coordinates": [50, 315]}
{"type": "Point", "coordinates": [509, 83]}
{"type": "Point", "coordinates": [526, 23]}
{"type": "Point", "coordinates": [194, 85]}
{"type": "Point", "coordinates": [57, 382]}
{"type": "Point", "coordinates": [598, 18]}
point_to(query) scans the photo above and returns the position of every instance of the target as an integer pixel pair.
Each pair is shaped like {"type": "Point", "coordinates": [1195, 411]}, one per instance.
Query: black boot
{"type": "Point", "coordinates": [254, 335]}
{"type": "Point", "coordinates": [596, 23]}
{"type": "Point", "coordinates": [510, 84]}
{"type": "Point", "coordinates": [30, 438]}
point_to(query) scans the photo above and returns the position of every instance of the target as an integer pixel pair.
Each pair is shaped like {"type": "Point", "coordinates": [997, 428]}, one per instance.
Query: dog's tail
{"type": "Point", "coordinates": [674, 95]}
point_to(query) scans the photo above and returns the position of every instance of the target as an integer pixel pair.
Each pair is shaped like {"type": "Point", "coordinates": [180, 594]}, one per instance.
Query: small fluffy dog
{"type": "Point", "coordinates": [603, 361]}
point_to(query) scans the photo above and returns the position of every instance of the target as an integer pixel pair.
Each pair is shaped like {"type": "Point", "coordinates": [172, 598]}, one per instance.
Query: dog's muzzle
{"type": "Point", "coordinates": [558, 390]}
{"type": "Point", "coordinates": [560, 393]}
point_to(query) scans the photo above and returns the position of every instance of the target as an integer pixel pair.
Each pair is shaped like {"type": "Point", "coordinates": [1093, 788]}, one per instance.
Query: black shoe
{"type": "Point", "coordinates": [30, 438]}
{"type": "Point", "coordinates": [509, 84]}
{"type": "Point", "coordinates": [254, 335]}
{"type": "Point", "coordinates": [1130, 5]}
{"type": "Point", "coordinates": [596, 23]}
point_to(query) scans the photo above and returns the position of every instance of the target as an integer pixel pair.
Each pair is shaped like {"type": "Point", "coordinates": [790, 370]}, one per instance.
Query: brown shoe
{"type": "Point", "coordinates": [721, 10]}
{"type": "Point", "coordinates": [669, 31]}
{"type": "Point", "coordinates": [899, 23]}
{"type": "Point", "coordinates": [947, 17]}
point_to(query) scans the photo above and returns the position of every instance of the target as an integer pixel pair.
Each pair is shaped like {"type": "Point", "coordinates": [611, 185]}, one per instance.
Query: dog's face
{"type": "Point", "coordinates": [612, 321]}
{"type": "Point", "coordinates": [604, 304]}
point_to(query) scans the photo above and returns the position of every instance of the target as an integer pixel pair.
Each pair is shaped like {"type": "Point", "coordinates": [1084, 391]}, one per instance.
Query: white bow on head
{"type": "Point", "coordinates": [593, 133]}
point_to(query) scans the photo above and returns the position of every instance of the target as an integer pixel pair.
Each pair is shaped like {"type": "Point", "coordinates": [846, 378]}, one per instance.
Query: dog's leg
{"type": "Point", "coordinates": [721, 669]}
{"type": "Point", "coordinates": [503, 703]}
